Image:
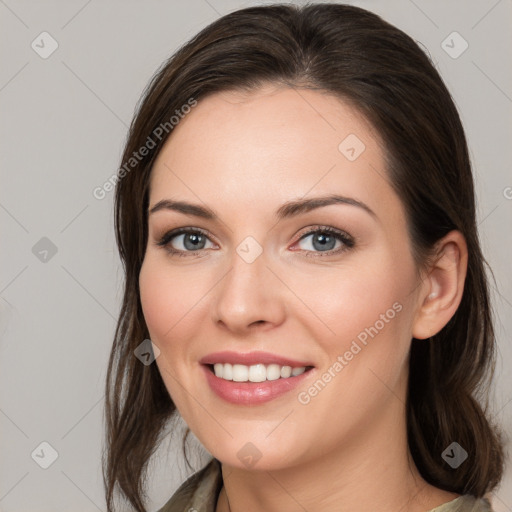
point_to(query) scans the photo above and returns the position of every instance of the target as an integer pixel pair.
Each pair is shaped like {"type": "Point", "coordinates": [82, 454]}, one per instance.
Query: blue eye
{"type": "Point", "coordinates": [324, 241]}
{"type": "Point", "coordinates": [192, 240]}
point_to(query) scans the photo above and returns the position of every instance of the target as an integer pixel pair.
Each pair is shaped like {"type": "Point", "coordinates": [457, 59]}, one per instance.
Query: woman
{"type": "Point", "coordinates": [299, 242]}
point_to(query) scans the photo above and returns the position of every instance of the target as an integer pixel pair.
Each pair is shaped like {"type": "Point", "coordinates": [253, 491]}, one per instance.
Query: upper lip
{"type": "Point", "coordinates": [251, 358]}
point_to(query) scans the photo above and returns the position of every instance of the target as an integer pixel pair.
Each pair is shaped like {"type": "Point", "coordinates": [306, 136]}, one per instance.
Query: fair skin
{"type": "Point", "coordinates": [244, 155]}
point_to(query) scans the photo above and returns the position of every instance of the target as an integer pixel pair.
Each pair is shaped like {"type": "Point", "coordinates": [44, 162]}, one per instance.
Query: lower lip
{"type": "Point", "coordinates": [249, 393]}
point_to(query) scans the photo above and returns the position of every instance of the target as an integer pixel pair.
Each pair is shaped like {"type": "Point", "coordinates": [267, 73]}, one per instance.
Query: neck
{"type": "Point", "coordinates": [373, 471]}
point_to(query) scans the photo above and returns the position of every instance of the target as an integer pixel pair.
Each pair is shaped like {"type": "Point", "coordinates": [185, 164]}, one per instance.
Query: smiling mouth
{"type": "Point", "coordinates": [256, 372]}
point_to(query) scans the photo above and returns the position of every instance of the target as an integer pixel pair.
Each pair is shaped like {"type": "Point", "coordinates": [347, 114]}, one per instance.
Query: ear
{"type": "Point", "coordinates": [442, 287]}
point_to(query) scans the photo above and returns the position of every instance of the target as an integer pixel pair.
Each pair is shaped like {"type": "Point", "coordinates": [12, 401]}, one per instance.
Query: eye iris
{"type": "Point", "coordinates": [193, 241]}
{"type": "Point", "coordinates": [325, 241]}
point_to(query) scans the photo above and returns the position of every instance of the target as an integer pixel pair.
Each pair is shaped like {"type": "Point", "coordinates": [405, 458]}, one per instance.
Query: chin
{"type": "Point", "coordinates": [256, 455]}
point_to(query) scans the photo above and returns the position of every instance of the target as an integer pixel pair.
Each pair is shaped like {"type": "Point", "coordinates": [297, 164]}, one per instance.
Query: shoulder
{"type": "Point", "coordinates": [465, 503]}
{"type": "Point", "coordinates": [199, 492]}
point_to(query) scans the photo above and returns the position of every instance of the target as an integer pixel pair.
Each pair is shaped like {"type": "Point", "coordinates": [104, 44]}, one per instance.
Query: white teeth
{"type": "Point", "coordinates": [218, 369]}
{"type": "Point", "coordinates": [273, 372]}
{"type": "Point", "coordinates": [240, 373]}
{"type": "Point", "coordinates": [227, 372]}
{"type": "Point", "coordinates": [286, 371]}
{"type": "Point", "coordinates": [255, 372]}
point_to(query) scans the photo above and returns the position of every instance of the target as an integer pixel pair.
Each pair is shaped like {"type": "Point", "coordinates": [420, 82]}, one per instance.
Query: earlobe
{"type": "Point", "coordinates": [443, 286]}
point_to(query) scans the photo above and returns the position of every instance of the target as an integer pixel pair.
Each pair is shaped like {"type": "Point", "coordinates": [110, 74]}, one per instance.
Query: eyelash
{"type": "Point", "coordinates": [347, 241]}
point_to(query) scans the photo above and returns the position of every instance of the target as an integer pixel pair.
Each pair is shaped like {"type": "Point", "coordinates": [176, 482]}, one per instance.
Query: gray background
{"type": "Point", "coordinates": [63, 124]}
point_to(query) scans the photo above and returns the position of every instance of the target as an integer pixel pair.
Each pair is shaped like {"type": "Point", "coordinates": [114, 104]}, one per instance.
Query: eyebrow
{"type": "Point", "coordinates": [287, 210]}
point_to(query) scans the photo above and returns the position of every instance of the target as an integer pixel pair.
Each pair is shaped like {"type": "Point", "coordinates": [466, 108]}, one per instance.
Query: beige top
{"type": "Point", "coordinates": [201, 491]}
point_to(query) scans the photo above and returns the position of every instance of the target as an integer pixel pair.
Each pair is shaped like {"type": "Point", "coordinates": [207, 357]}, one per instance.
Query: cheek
{"type": "Point", "coordinates": [155, 295]}
{"type": "Point", "coordinates": [342, 302]}
{"type": "Point", "coordinates": [168, 298]}
{"type": "Point", "coordinates": [364, 336]}
{"type": "Point", "coordinates": [170, 303]}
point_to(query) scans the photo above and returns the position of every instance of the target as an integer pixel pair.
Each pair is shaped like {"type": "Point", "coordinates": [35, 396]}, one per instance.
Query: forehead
{"type": "Point", "coordinates": [270, 145]}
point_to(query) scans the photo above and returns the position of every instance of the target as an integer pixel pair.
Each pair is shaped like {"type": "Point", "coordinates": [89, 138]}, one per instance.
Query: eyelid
{"type": "Point", "coordinates": [166, 238]}
{"type": "Point", "coordinates": [347, 240]}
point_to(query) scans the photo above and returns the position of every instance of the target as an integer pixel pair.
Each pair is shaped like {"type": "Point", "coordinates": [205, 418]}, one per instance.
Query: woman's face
{"type": "Point", "coordinates": [261, 275]}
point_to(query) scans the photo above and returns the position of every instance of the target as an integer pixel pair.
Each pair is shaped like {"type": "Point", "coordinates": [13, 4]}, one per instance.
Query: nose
{"type": "Point", "coordinates": [249, 297]}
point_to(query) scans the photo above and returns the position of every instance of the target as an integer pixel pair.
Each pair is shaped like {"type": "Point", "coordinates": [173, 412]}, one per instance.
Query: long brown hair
{"type": "Point", "coordinates": [382, 72]}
